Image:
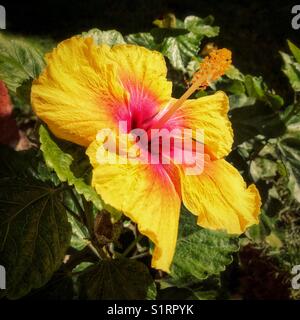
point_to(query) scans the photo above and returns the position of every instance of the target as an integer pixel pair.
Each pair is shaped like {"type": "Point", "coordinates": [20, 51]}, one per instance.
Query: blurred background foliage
{"type": "Point", "coordinates": [263, 87]}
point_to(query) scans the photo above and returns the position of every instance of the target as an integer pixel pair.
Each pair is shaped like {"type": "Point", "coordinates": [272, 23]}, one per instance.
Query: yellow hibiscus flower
{"type": "Point", "coordinates": [87, 87]}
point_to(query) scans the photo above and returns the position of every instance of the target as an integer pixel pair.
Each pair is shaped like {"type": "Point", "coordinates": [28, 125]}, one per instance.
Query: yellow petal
{"type": "Point", "coordinates": [77, 93]}
{"type": "Point", "coordinates": [146, 194]}
{"type": "Point", "coordinates": [86, 87]}
{"type": "Point", "coordinates": [210, 114]}
{"type": "Point", "coordinates": [220, 198]}
{"type": "Point", "coordinates": [145, 68]}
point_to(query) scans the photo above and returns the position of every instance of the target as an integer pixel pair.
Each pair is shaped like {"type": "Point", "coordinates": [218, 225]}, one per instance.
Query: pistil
{"type": "Point", "coordinates": [211, 69]}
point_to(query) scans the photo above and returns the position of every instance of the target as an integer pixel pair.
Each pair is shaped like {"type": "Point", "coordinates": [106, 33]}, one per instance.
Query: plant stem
{"type": "Point", "coordinates": [76, 257]}
{"type": "Point", "coordinates": [141, 255]}
{"type": "Point", "coordinates": [97, 253]}
{"type": "Point", "coordinates": [132, 245]}
{"type": "Point", "coordinates": [87, 219]}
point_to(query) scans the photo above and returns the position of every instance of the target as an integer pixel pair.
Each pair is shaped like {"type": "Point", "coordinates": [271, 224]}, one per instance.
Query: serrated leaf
{"type": "Point", "coordinates": [79, 234]}
{"type": "Point", "coordinates": [120, 279]}
{"type": "Point", "coordinates": [199, 252]}
{"type": "Point", "coordinates": [110, 37]}
{"type": "Point", "coordinates": [295, 50]}
{"type": "Point", "coordinates": [234, 73]}
{"type": "Point", "coordinates": [178, 40]}
{"type": "Point", "coordinates": [263, 168]}
{"type": "Point", "coordinates": [289, 147]}
{"type": "Point", "coordinates": [19, 61]}
{"type": "Point", "coordinates": [180, 49]}
{"type": "Point", "coordinates": [201, 26]}
{"type": "Point", "coordinates": [257, 89]}
{"type": "Point", "coordinates": [34, 233]}
{"type": "Point", "coordinates": [292, 70]}
{"type": "Point", "coordinates": [64, 166]}
{"type": "Point", "coordinates": [144, 39]}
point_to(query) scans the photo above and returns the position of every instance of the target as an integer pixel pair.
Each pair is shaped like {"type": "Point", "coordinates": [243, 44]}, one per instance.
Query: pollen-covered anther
{"type": "Point", "coordinates": [212, 67]}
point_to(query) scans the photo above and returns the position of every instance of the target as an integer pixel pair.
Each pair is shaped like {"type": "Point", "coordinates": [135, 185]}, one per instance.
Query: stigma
{"type": "Point", "coordinates": [210, 69]}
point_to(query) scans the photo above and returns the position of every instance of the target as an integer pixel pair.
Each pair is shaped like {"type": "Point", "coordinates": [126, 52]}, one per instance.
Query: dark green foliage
{"type": "Point", "coordinates": [56, 240]}
{"type": "Point", "coordinates": [121, 279]}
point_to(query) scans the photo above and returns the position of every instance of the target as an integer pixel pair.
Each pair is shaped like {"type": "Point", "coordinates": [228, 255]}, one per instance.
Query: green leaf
{"type": "Point", "coordinates": [292, 70]}
{"type": "Point", "coordinates": [207, 289]}
{"type": "Point", "coordinates": [274, 100]}
{"type": "Point", "coordinates": [235, 87]}
{"type": "Point", "coordinates": [201, 26]}
{"type": "Point", "coordinates": [43, 44]}
{"type": "Point", "coordinates": [110, 37]}
{"type": "Point", "coordinates": [82, 266]}
{"type": "Point", "coordinates": [120, 279]}
{"type": "Point", "coordinates": [34, 233]}
{"type": "Point", "coordinates": [258, 232]}
{"type": "Point", "coordinates": [60, 287]}
{"type": "Point", "coordinates": [80, 235]}
{"type": "Point", "coordinates": [257, 89]}
{"type": "Point", "coordinates": [254, 86]}
{"type": "Point", "coordinates": [247, 90]}
{"type": "Point", "coordinates": [23, 93]}
{"type": "Point", "coordinates": [144, 39]}
{"type": "Point", "coordinates": [66, 168]}
{"type": "Point", "coordinates": [240, 100]}
{"type": "Point", "coordinates": [178, 40]}
{"type": "Point", "coordinates": [23, 164]}
{"type": "Point", "coordinates": [180, 49]}
{"type": "Point", "coordinates": [258, 119]}
{"type": "Point", "coordinates": [289, 148]}
{"type": "Point", "coordinates": [263, 168]}
{"type": "Point", "coordinates": [295, 50]}
{"type": "Point", "coordinates": [199, 252]}
{"type": "Point", "coordinates": [14, 164]}
{"type": "Point", "coordinates": [169, 21]}
{"type": "Point", "coordinates": [19, 61]}
{"type": "Point", "coordinates": [234, 73]}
